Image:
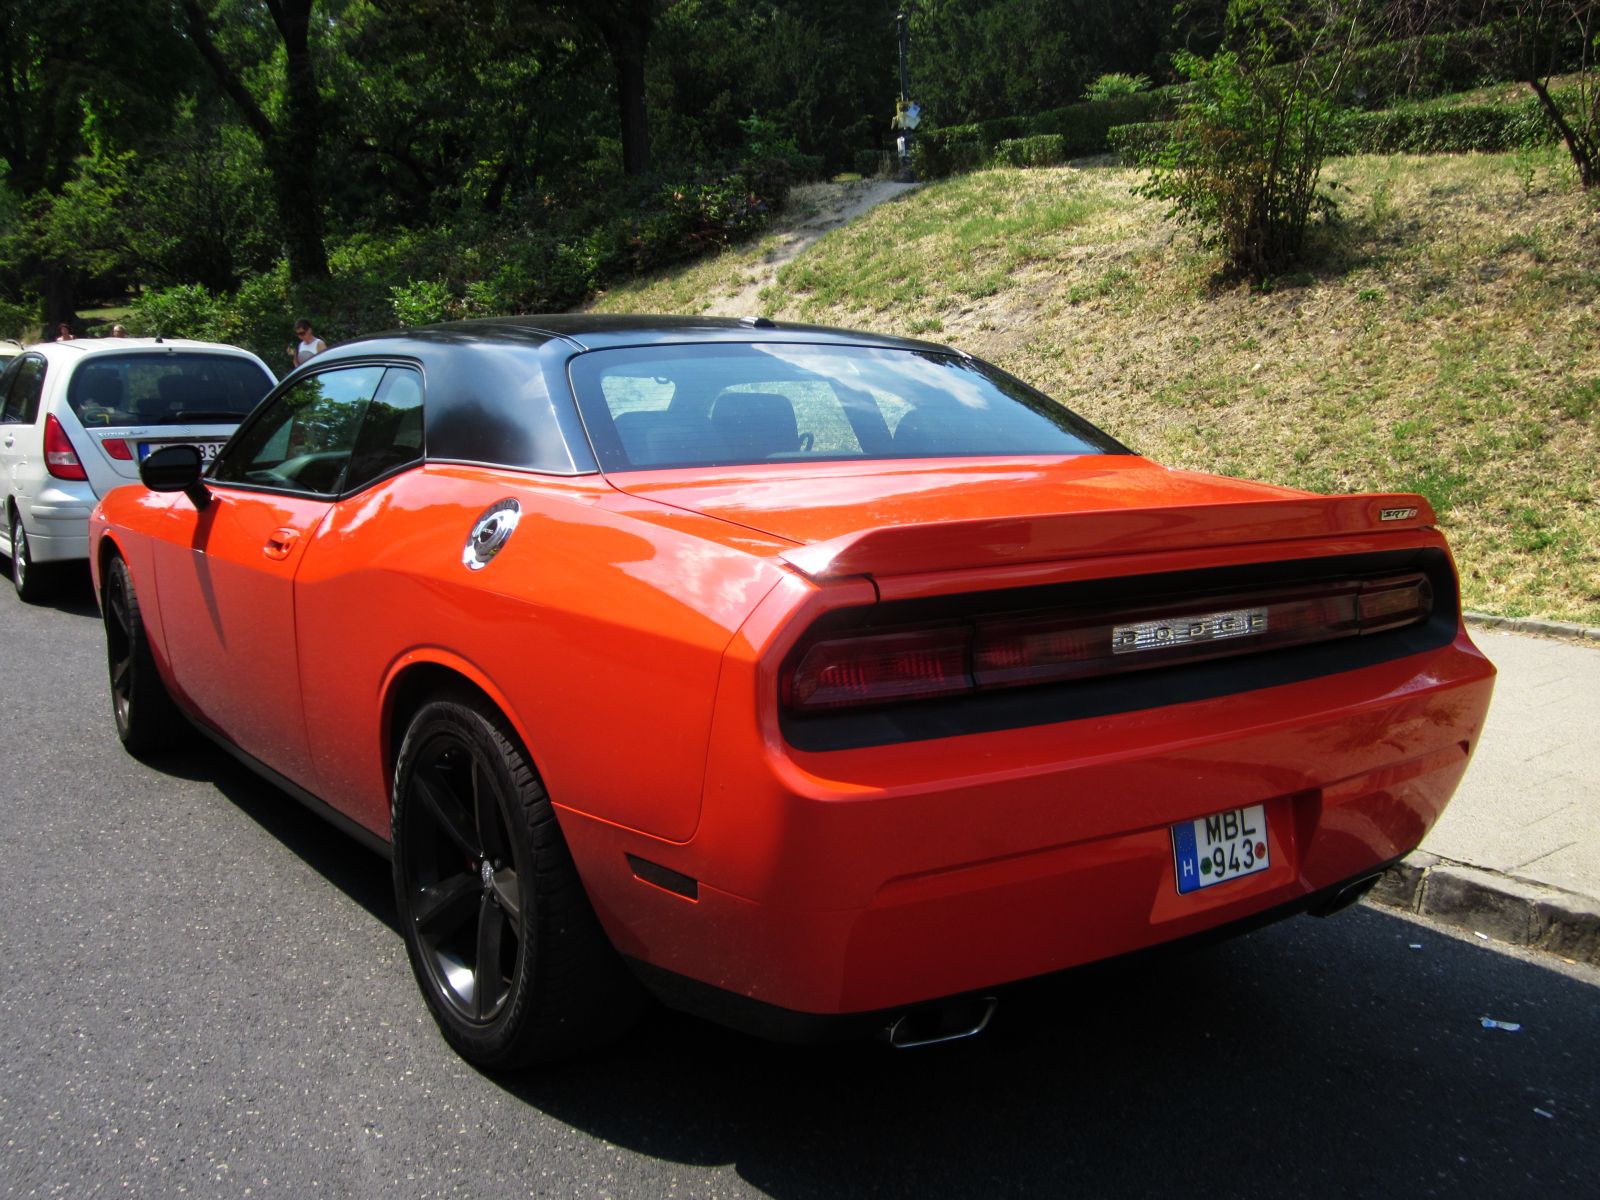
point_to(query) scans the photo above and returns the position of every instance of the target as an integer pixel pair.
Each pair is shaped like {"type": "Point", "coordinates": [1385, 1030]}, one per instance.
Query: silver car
{"type": "Point", "coordinates": [76, 419]}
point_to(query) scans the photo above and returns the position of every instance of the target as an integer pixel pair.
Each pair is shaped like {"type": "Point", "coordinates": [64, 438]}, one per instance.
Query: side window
{"type": "Point", "coordinates": [7, 377]}
{"type": "Point", "coordinates": [391, 432]}
{"type": "Point", "coordinates": [27, 386]}
{"type": "Point", "coordinates": [304, 440]}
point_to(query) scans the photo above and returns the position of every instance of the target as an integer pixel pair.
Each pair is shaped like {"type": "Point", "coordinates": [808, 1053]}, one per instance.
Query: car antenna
{"type": "Point", "coordinates": [758, 322]}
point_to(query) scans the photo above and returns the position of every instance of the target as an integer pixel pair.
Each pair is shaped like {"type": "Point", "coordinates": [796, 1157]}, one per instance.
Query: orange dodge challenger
{"type": "Point", "coordinates": [810, 680]}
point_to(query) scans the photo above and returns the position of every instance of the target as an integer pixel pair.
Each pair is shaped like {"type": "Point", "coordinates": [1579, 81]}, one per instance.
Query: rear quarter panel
{"type": "Point", "coordinates": [600, 636]}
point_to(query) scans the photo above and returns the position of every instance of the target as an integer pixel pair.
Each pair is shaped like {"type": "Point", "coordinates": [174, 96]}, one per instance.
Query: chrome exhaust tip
{"type": "Point", "coordinates": [1346, 896]}
{"type": "Point", "coordinates": [942, 1023]}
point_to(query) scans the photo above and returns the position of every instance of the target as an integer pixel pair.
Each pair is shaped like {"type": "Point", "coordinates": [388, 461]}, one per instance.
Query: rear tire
{"type": "Point", "coordinates": [34, 583]}
{"type": "Point", "coordinates": [502, 939]}
{"type": "Point", "coordinates": [147, 719]}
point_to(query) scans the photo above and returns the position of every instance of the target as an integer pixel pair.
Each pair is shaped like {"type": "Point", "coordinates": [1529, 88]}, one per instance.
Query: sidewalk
{"type": "Point", "coordinates": [1516, 855]}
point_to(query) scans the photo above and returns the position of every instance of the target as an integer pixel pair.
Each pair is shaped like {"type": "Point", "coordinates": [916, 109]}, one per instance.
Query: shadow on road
{"type": "Point", "coordinates": [1318, 1058]}
{"type": "Point", "coordinates": [337, 857]}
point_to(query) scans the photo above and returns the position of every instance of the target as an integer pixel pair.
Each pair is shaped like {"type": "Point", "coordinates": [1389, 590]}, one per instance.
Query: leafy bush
{"type": "Point", "coordinates": [1243, 158]}
{"type": "Point", "coordinates": [1045, 150]}
{"type": "Point", "coordinates": [871, 163]}
{"type": "Point", "coordinates": [485, 266]}
{"type": "Point", "coordinates": [422, 302]}
{"type": "Point", "coordinates": [16, 319]}
{"type": "Point", "coordinates": [1114, 85]}
{"type": "Point", "coordinates": [185, 310]}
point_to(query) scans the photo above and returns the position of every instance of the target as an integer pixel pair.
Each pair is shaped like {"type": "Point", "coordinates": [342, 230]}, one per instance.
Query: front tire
{"type": "Point", "coordinates": [147, 719]}
{"type": "Point", "coordinates": [34, 584]}
{"type": "Point", "coordinates": [503, 942]}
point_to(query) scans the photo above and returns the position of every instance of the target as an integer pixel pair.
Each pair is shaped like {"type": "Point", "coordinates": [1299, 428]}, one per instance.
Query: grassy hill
{"type": "Point", "coordinates": [1446, 338]}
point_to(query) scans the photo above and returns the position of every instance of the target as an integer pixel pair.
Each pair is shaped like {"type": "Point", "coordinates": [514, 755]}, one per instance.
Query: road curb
{"type": "Point", "coordinates": [1565, 630]}
{"type": "Point", "coordinates": [1503, 907]}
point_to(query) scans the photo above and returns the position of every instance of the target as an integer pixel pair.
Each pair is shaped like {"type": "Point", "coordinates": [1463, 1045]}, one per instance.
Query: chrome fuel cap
{"type": "Point", "coordinates": [493, 530]}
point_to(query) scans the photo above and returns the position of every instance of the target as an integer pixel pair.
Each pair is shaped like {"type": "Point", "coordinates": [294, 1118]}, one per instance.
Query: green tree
{"type": "Point", "coordinates": [973, 60]}
{"type": "Point", "coordinates": [70, 72]}
{"type": "Point", "coordinates": [1536, 40]}
{"type": "Point", "coordinates": [453, 104]}
{"type": "Point", "coordinates": [624, 28]}
{"type": "Point", "coordinates": [231, 38]}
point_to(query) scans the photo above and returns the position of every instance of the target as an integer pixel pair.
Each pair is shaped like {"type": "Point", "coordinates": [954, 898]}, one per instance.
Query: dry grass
{"type": "Point", "coordinates": [1447, 340]}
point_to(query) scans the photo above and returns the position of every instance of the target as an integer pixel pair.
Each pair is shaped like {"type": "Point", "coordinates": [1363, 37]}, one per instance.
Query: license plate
{"type": "Point", "coordinates": [208, 450]}
{"type": "Point", "coordinates": [1220, 847]}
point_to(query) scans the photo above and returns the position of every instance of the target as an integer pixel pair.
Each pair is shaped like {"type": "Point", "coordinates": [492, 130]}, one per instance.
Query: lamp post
{"type": "Point", "coordinates": [907, 114]}
{"type": "Point", "coordinates": [902, 24]}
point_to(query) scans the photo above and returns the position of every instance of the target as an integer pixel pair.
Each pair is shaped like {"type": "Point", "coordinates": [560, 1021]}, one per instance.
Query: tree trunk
{"type": "Point", "coordinates": [60, 296]}
{"type": "Point", "coordinates": [293, 161]}
{"type": "Point", "coordinates": [290, 150]}
{"type": "Point", "coordinates": [625, 41]}
{"type": "Point", "coordinates": [1581, 149]}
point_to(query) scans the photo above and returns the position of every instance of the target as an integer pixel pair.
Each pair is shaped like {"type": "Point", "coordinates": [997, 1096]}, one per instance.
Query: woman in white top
{"type": "Point", "coordinates": [309, 345]}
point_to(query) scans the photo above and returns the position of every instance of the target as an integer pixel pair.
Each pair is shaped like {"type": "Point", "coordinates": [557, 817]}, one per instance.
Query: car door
{"type": "Point", "coordinates": [8, 432]}
{"type": "Point", "coordinates": [225, 574]}
{"type": "Point", "coordinates": [20, 444]}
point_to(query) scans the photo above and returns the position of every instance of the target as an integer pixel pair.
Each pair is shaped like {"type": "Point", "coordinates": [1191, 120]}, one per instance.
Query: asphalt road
{"type": "Point", "coordinates": [202, 994]}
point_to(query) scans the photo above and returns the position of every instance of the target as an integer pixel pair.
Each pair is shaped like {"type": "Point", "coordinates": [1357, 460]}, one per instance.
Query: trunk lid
{"type": "Point", "coordinates": [891, 518]}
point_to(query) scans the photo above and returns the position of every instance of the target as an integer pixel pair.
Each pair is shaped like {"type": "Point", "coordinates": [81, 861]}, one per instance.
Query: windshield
{"type": "Point", "coordinates": [706, 405]}
{"type": "Point", "coordinates": [167, 388]}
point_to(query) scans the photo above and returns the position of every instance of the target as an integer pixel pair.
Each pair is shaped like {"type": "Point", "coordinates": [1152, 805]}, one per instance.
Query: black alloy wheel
{"type": "Point", "coordinates": [501, 937]}
{"type": "Point", "coordinates": [31, 580]}
{"type": "Point", "coordinates": [147, 720]}
{"type": "Point", "coordinates": [466, 905]}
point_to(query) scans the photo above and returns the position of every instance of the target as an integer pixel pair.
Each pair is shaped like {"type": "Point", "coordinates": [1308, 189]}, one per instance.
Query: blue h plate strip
{"type": "Point", "coordinates": [1186, 860]}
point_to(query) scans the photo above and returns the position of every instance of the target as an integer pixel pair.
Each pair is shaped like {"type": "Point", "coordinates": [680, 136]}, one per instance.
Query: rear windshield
{"type": "Point", "coordinates": [172, 388]}
{"type": "Point", "coordinates": [691, 406]}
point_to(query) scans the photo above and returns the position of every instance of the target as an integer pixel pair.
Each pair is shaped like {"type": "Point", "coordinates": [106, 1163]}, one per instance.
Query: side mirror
{"type": "Point", "coordinates": [176, 469]}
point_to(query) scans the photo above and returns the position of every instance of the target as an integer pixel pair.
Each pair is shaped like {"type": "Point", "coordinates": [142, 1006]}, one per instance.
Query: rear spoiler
{"type": "Point", "coordinates": [958, 545]}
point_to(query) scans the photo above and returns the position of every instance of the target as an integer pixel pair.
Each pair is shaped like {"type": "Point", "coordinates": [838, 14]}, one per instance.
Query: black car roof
{"type": "Point", "coordinates": [596, 331]}
{"type": "Point", "coordinates": [498, 393]}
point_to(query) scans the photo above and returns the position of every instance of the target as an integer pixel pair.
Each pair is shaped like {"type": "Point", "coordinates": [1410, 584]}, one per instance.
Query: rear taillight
{"type": "Point", "coordinates": [881, 668]}
{"type": "Point", "coordinates": [60, 459]}
{"type": "Point", "coordinates": [1017, 650]}
{"type": "Point", "coordinates": [118, 449]}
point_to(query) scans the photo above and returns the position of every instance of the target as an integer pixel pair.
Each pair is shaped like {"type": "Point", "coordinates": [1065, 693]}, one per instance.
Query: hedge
{"type": "Point", "coordinates": [1416, 68]}
{"type": "Point", "coordinates": [1487, 128]}
{"type": "Point", "coordinates": [1413, 68]}
{"type": "Point", "coordinates": [1044, 150]}
{"type": "Point", "coordinates": [1082, 129]}
{"type": "Point", "coordinates": [1412, 129]}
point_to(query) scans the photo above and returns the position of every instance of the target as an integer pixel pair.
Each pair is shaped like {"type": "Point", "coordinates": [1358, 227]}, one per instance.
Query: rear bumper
{"type": "Point", "coordinates": [57, 521]}
{"type": "Point", "coordinates": [863, 880]}
{"type": "Point", "coordinates": [770, 1021]}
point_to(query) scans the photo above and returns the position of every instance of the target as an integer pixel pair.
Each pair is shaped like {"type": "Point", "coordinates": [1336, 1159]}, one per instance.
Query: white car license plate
{"type": "Point", "coordinates": [1220, 847]}
{"type": "Point", "coordinates": [208, 450]}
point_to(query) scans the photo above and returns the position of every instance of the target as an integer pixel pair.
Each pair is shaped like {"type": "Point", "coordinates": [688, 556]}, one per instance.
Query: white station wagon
{"type": "Point", "coordinates": [78, 417]}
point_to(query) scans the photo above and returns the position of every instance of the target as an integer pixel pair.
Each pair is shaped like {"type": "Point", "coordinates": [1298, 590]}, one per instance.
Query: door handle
{"type": "Point", "coordinates": [280, 542]}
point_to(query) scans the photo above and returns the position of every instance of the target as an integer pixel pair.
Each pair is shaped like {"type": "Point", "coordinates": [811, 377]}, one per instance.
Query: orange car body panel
{"type": "Point", "coordinates": [634, 631]}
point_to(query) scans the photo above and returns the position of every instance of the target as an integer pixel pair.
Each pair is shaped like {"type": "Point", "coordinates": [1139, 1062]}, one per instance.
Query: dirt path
{"type": "Point", "coordinates": [822, 207]}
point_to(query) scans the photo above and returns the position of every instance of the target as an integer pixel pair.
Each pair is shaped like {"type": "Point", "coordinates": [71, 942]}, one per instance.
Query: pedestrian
{"type": "Point", "coordinates": [64, 331]}
{"type": "Point", "coordinates": [118, 331]}
{"type": "Point", "coordinates": [309, 344]}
